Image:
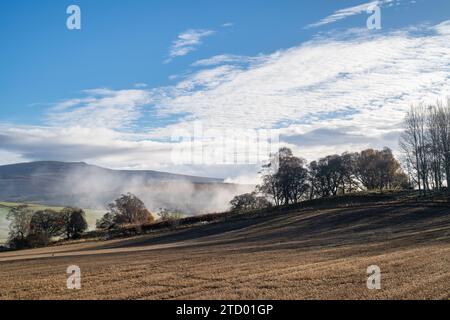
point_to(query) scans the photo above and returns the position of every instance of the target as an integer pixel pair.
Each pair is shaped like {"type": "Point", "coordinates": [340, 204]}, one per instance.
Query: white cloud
{"type": "Point", "coordinates": [366, 80]}
{"type": "Point", "coordinates": [351, 11]}
{"type": "Point", "coordinates": [325, 96]}
{"type": "Point", "coordinates": [101, 108]}
{"type": "Point", "coordinates": [227, 59]}
{"type": "Point", "coordinates": [140, 85]}
{"type": "Point", "coordinates": [187, 42]}
{"type": "Point", "coordinates": [227, 25]}
{"type": "Point", "coordinates": [101, 146]}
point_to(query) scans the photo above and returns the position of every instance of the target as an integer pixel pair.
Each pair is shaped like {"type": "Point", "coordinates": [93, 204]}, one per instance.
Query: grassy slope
{"type": "Point", "coordinates": [312, 252]}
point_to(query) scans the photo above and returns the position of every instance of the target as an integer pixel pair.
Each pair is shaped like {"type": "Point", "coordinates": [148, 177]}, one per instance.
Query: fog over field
{"type": "Point", "coordinates": [59, 184]}
{"type": "Point", "coordinates": [97, 189]}
{"type": "Point", "coordinates": [86, 186]}
{"type": "Point", "coordinates": [3, 225]}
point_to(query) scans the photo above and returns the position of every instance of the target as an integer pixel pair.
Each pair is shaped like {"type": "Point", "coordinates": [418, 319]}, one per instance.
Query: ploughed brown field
{"type": "Point", "coordinates": [305, 253]}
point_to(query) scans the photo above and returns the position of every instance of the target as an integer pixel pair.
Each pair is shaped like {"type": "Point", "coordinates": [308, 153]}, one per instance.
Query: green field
{"type": "Point", "coordinates": [3, 224]}
{"type": "Point", "coordinates": [91, 216]}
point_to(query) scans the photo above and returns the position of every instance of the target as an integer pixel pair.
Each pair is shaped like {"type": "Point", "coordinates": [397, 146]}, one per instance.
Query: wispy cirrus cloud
{"type": "Point", "coordinates": [361, 83]}
{"type": "Point", "coordinates": [227, 59]}
{"type": "Point", "coordinates": [100, 108]}
{"type": "Point", "coordinates": [227, 25]}
{"type": "Point", "coordinates": [351, 11]}
{"type": "Point", "coordinates": [187, 42]}
{"type": "Point", "coordinates": [324, 96]}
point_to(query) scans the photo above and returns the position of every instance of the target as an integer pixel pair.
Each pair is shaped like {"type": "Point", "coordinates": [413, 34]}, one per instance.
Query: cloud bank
{"type": "Point", "coordinates": [343, 91]}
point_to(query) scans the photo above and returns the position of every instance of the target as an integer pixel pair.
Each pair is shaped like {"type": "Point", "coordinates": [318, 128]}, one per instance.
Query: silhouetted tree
{"type": "Point", "coordinates": [75, 222]}
{"type": "Point", "coordinates": [377, 169]}
{"type": "Point", "coordinates": [19, 227]}
{"type": "Point", "coordinates": [435, 156]}
{"type": "Point", "coordinates": [271, 188]}
{"type": "Point", "coordinates": [327, 175]}
{"type": "Point", "coordinates": [348, 167]}
{"type": "Point", "coordinates": [413, 143]}
{"type": "Point", "coordinates": [248, 202]}
{"type": "Point", "coordinates": [106, 222]}
{"type": "Point", "coordinates": [128, 209]}
{"type": "Point", "coordinates": [286, 178]}
{"type": "Point", "coordinates": [44, 225]}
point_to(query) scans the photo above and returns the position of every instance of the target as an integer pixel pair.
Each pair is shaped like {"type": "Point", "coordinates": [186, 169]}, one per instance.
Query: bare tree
{"type": "Point", "coordinates": [271, 188]}
{"type": "Point", "coordinates": [248, 202]}
{"type": "Point", "coordinates": [19, 227]}
{"type": "Point", "coordinates": [289, 183]}
{"type": "Point", "coordinates": [328, 175]}
{"type": "Point", "coordinates": [349, 181]}
{"type": "Point", "coordinates": [413, 144]}
{"type": "Point", "coordinates": [426, 145]}
{"type": "Point", "coordinates": [48, 223]}
{"type": "Point", "coordinates": [435, 154]}
{"type": "Point", "coordinates": [443, 125]}
{"type": "Point", "coordinates": [106, 222]}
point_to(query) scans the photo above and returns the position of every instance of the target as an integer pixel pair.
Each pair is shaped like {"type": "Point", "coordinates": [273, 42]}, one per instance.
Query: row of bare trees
{"type": "Point", "coordinates": [426, 146]}
{"type": "Point", "coordinates": [288, 179]}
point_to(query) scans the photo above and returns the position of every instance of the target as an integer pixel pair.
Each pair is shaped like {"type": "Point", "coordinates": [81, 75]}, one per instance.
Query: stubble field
{"type": "Point", "coordinates": [301, 254]}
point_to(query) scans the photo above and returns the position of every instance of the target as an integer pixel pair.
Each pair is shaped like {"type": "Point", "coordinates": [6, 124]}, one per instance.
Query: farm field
{"type": "Point", "coordinates": [306, 253]}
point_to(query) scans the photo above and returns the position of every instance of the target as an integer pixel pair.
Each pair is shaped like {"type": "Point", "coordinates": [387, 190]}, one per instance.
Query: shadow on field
{"type": "Point", "coordinates": [400, 224]}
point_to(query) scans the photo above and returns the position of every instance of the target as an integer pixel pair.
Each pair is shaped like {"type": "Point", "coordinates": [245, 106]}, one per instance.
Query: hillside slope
{"type": "Point", "coordinates": [305, 253]}
{"type": "Point", "coordinates": [59, 170]}
{"type": "Point", "coordinates": [87, 186]}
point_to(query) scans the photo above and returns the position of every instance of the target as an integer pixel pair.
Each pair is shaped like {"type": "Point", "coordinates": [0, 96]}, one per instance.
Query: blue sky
{"type": "Point", "coordinates": [129, 50]}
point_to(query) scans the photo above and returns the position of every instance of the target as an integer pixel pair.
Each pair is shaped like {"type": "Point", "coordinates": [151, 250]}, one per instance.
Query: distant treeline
{"type": "Point", "coordinates": [288, 179]}
{"type": "Point", "coordinates": [29, 228]}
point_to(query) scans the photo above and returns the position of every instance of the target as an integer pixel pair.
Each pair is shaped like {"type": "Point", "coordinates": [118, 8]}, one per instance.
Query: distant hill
{"type": "Point", "coordinates": [56, 170]}
{"type": "Point", "coordinates": [81, 184]}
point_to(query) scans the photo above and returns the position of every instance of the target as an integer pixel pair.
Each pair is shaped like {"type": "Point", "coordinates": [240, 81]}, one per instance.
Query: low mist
{"type": "Point", "coordinates": [94, 188]}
